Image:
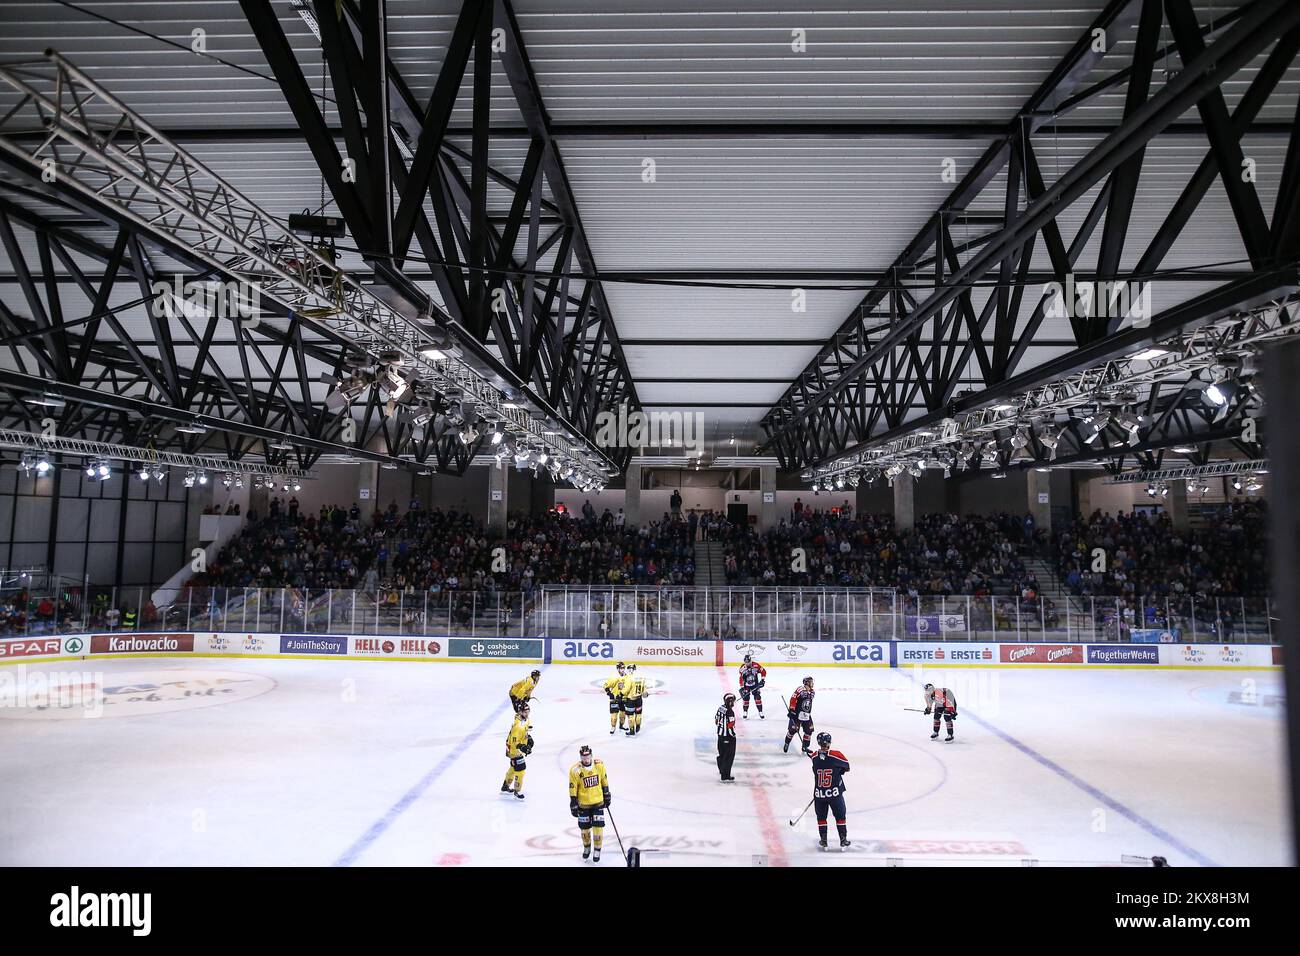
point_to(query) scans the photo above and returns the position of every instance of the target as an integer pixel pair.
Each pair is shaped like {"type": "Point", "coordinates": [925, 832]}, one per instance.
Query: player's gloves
{"type": "Point", "coordinates": [608, 800]}
{"type": "Point", "coordinates": [573, 806]}
{"type": "Point", "coordinates": [789, 713]}
{"type": "Point", "coordinates": [953, 714]}
{"type": "Point", "coordinates": [762, 684]}
{"type": "Point", "coordinates": [609, 693]}
{"type": "Point", "coordinates": [927, 710]}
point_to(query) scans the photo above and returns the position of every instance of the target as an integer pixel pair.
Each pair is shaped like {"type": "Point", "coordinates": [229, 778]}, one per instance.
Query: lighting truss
{"type": "Point", "coordinates": [83, 448]}
{"type": "Point", "coordinates": [1217, 470]}
{"type": "Point", "coordinates": [1176, 359]}
{"type": "Point", "coordinates": [920, 333]}
{"type": "Point", "coordinates": [102, 151]}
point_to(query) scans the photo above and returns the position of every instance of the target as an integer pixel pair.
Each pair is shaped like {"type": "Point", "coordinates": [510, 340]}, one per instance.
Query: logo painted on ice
{"type": "Point", "coordinates": [602, 649]}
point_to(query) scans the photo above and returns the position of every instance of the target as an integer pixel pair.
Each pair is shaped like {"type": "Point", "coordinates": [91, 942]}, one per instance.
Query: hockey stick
{"type": "Point", "coordinates": [801, 813]}
{"type": "Point", "coordinates": [616, 834]}
{"type": "Point", "coordinates": [915, 710]}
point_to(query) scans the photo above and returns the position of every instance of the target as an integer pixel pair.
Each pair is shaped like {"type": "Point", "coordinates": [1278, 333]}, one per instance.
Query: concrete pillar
{"type": "Point", "coordinates": [367, 489]}
{"type": "Point", "coordinates": [767, 498]}
{"type": "Point", "coordinates": [904, 502]}
{"type": "Point", "coordinates": [1177, 505]}
{"type": "Point", "coordinates": [543, 495]}
{"type": "Point", "coordinates": [197, 499]}
{"type": "Point", "coordinates": [1040, 498]}
{"type": "Point", "coordinates": [498, 498]}
{"type": "Point", "coordinates": [259, 502]}
{"type": "Point", "coordinates": [422, 491]}
{"type": "Point", "coordinates": [1083, 492]}
{"type": "Point", "coordinates": [632, 495]}
{"type": "Point", "coordinates": [1282, 386]}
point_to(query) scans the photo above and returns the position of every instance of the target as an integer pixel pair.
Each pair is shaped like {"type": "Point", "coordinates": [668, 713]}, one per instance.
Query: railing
{"type": "Point", "coordinates": [646, 613]}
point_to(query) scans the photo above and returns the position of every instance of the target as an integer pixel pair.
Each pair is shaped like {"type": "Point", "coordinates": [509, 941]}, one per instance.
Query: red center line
{"type": "Point", "coordinates": [767, 823]}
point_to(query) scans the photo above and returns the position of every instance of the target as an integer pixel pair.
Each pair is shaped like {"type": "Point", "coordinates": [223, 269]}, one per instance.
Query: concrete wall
{"type": "Point", "coordinates": [1117, 499]}
{"type": "Point", "coordinates": [121, 531]}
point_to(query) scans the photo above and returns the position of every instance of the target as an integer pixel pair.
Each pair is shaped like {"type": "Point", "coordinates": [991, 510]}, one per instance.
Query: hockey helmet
{"type": "Point", "coordinates": [823, 739]}
{"type": "Point", "coordinates": [748, 658]}
{"type": "Point", "coordinates": [929, 687]}
{"type": "Point", "coordinates": [728, 698]}
{"type": "Point", "coordinates": [584, 755]}
{"type": "Point", "coordinates": [535, 675]}
{"type": "Point", "coordinates": [807, 682]}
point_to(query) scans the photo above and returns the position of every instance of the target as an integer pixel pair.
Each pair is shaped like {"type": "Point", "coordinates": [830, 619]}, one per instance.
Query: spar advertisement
{"type": "Point", "coordinates": [14, 650]}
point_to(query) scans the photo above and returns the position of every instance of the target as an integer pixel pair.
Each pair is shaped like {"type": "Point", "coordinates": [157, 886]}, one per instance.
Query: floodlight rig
{"type": "Point", "coordinates": [100, 150]}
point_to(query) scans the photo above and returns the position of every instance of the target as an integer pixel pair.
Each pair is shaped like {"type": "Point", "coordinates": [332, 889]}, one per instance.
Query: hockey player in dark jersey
{"type": "Point", "coordinates": [944, 704]}
{"type": "Point", "coordinates": [829, 767]}
{"type": "Point", "coordinates": [753, 676]}
{"type": "Point", "coordinates": [800, 713]}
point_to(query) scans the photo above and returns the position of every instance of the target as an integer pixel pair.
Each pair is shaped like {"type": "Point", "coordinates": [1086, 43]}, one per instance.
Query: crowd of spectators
{"type": "Point", "coordinates": [436, 550]}
{"type": "Point", "coordinates": [1151, 568]}
{"type": "Point", "coordinates": [941, 554]}
{"type": "Point", "coordinates": [1146, 557]}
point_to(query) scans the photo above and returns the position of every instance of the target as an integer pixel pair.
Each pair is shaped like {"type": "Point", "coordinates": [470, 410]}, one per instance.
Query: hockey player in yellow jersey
{"type": "Point", "coordinates": [633, 699]}
{"type": "Point", "coordinates": [519, 744]}
{"type": "Point", "coordinates": [615, 688]}
{"type": "Point", "coordinates": [521, 691]}
{"type": "Point", "coordinates": [588, 798]}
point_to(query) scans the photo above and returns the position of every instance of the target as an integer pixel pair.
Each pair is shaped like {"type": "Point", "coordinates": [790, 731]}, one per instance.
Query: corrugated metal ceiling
{"type": "Point", "coordinates": [718, 203]}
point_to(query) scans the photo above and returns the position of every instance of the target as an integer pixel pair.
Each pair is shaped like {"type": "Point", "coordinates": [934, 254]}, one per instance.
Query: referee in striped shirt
{"type": "Point", "coordinates": [725, 722]}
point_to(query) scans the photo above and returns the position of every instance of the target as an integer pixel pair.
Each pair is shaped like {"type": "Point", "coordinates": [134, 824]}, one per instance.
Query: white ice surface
{"type": "Point", "coordinates": [316, 763]}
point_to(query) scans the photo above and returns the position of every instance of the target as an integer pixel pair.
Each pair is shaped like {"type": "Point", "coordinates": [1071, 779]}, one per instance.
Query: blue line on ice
{"type": "Point", "coordinates": [1131, 815]}
{"type": "Point", "coordinates": [401, 806]}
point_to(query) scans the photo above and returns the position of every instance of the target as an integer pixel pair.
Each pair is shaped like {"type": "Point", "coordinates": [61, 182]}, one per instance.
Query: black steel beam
{"type": "Point", "coordinates": [837, 369]}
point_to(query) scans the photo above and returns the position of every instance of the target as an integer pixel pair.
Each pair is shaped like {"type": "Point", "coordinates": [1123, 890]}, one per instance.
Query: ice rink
{"type": "Point", "coordinates": [227, 762]}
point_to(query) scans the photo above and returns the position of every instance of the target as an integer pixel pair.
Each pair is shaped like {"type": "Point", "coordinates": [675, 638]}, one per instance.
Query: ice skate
{"type": "Point", "coordinates": [595, 858]}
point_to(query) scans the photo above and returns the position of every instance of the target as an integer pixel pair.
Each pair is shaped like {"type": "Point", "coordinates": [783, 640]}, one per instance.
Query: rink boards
{"type": "Point", "coordinates": [709, 652]}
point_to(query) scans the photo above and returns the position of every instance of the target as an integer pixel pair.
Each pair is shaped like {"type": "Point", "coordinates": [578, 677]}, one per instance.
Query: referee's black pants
{"type": "Point", "coordinates": [726, 755]}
